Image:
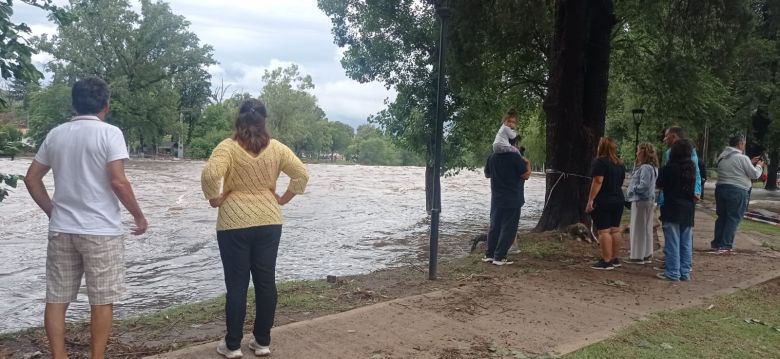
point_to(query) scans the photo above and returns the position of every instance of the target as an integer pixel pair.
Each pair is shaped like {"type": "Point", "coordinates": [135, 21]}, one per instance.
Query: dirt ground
{"type": "Point", "coordinates": [548, 302]}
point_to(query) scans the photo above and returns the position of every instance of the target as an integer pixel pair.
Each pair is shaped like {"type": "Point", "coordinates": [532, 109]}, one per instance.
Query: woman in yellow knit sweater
{"type": "Point", "coordinates": [249, 224]}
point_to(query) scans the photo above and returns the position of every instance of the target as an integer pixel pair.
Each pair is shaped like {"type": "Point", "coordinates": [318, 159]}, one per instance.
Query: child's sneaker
{"type": "Point", "coordinates": [260, 350]}
{"type": "Point", "coordinates": [227, 353]}
{"type": "Point", "coordinates": [486, 259]}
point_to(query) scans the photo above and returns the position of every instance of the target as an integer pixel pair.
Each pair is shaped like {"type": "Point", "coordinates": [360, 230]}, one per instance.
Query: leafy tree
{"type": "Point", "coordinates": [144, 56]}
{"type": "Point", "coordinates": [377, 151]}
{"type": "Point", "coordinates": [10, 140]}
{"type": "Point", "coordinates": [341, 137]}
{"type": "Point", "coordinates": [393, 42]}
{"type": "Point", "coordinates": [194, 87]}
{"type": "Point", "coordinates": [7, 180]}
{"type": "Point", "coordinates": [293, 114]}
{"type": "Point", "coordinates": [16, 65]}
{"type": "Point", "coordinates": [49, 107]}
{"type": "Point", "coordinates": [16, 53]}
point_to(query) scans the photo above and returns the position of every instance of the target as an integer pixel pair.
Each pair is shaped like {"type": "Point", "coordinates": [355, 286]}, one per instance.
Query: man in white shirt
{"type": "Point", "coordinates": [87, 158]}
{"type": "Point", "coordinates": [735, 174]}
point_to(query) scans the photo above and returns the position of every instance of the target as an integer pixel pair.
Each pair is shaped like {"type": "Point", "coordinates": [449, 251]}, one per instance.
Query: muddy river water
{"type": "Point", "coordinates": [353, 219]}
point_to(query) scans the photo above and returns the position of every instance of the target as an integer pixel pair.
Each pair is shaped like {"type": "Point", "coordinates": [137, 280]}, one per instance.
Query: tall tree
{"type": "Point", "coordinates": [341, 137]}
{"type": "Point", "coordinates": [575, 105]}
{"type": "Point", "coordinates": [139, 54]}
{"type": "Point", "coordinates": [293, 114]}
{"type": "Point", "coordinates": [194, 87]}
{"type": "Point", "coordinates": [393, 42]}
{"type": "Point", "coordinates": [15, 51]}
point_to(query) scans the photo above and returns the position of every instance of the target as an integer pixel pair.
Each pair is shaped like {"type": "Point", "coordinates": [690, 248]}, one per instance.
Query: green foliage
{"type": "Point", "coordinates": [7, 180]}
{"type": "Point", "coordinates": [48, 108]}
{"type": "Point", "coordinates": [294, 118]}
{"type": "Point", "coordinates": [392, 42]}
{"type": "Point", "coordinates": [15, 52]}
{"type": "Point", "coordinates": [742, 325]}
{"type": "Point", "coordinates": [372, 147]}
{"type": "Point", "coordinates": [201, 147]}
{"type": "Point", "coordinates": [10, 140]}
{"type": "Point", "coordinates": [152, 61]}
{"type": "Point", "coordinates": [341, 136]}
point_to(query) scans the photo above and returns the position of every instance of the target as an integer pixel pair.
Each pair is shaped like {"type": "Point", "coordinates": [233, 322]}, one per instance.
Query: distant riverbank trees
{"type": "Point", "coordinates": [161, 91]}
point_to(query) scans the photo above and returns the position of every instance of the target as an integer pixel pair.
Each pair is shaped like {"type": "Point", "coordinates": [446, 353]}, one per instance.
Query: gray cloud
{"type": "Point", "coordinates": [251, 36]}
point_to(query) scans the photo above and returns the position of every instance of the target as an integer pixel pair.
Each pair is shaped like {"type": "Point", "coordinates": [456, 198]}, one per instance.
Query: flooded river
{"type": "Point", "coordinates": [353, 219]}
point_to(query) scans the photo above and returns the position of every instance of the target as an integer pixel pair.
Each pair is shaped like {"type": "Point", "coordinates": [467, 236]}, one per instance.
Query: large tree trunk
{"type": "Point", "coordinates": [575, 105]}
{"type": "Point", "coordinates": [771, 181]}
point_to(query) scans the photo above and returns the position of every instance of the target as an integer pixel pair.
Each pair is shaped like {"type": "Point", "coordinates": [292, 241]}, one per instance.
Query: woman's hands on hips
{"type": "Point", "coordinates": [216, 202]}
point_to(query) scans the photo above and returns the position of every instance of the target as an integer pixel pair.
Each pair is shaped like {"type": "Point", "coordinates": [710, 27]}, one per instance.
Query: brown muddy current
{"type": "Point", "coordinates": [353, 219]}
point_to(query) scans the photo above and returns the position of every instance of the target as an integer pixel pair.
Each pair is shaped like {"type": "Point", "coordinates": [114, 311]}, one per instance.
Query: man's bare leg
{"type": "Point", "coordinates": [54, 322]}
{"type": "Point", "coordinates": [101, 319]}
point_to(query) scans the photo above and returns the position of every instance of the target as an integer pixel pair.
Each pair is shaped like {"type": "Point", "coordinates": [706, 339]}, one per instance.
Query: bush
{"type": "Point", "coordinates": [201, 147]}
{"type": "Point", "coordinates": [10, 140]}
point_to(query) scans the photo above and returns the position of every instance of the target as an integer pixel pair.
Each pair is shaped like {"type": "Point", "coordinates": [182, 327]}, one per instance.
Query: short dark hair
{"type": "Point", "coordinates": [677, 130]}
{"type": "Point", "coordinates": [90, 95]}
{"type": "Point", "coordinates": [736, 139]}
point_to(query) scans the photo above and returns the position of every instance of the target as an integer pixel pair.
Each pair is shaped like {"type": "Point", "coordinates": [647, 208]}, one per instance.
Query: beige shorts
{"type": "Point", "coordinates": [101, 258]}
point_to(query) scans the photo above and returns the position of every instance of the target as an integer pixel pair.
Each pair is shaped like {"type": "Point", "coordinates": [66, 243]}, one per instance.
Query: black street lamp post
{"type": "Point", "coordinates": [444, 13]}
{"type": "Point", "coordinates": [637, 114]}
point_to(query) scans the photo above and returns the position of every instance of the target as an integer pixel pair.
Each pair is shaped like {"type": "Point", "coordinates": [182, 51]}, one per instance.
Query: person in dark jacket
{"type": "Point", "coordinates": [677, 181]}
{"type": "Point", "coordinates": [507, 172]}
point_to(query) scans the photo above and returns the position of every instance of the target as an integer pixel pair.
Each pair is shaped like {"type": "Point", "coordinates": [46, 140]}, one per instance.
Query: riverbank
{"type": "Point", "coordinates": [547, 302]}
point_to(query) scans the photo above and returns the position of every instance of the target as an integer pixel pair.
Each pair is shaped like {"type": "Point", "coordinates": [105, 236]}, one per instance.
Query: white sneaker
{"type": "Point", "coordinates": [227, 353]}
{"type": "Point", "coordinates": [502, 262]}
{"type": "Point", "coordinates": [260, 350]}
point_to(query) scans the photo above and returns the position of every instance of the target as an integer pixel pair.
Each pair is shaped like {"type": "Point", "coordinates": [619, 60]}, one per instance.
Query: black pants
{"type": "Point", "coordinates": [244, 251]}
{"type": "Point", "coordinates": [503, 230]}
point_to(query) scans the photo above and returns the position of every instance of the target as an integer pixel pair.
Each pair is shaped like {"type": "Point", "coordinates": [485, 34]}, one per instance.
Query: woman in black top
{"type": "Point", "coordinates": [677, 181]}
{"type": "Point", "coordinates": [605, 202]}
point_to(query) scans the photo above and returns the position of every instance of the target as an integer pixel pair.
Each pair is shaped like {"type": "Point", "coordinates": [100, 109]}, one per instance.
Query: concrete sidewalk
{"type": "Point", "coordinates": [553, 311]}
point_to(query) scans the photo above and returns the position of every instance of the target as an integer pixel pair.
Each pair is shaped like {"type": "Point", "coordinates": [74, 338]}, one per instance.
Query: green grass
{"type": "Point", "coordinates": [305, 295]}
{"type": "Point", "coordinates": [719, 332]}
{"type": "Point", "coordinates": [294, 296]}
{"type": "Point", "coordinates": [194, 313]}
{"type": "Point", "coordinates": [541, 249]}
{"type": "Point", "coordinates": [771, 233]}
{"type": "Point", "coordinates": [763, 228]}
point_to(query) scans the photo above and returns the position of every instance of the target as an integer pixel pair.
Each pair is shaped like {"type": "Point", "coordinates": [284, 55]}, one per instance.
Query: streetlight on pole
{"type": "Point", "coordinates": [637, 114]}
{"type": "Point", "coordinates": [443, 10]}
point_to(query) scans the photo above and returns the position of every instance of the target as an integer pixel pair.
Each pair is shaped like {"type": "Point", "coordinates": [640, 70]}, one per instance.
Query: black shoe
{"type": "Point", "coordinates": [602, 265]}
{"type": "Point", "coordinates": [615, 262]}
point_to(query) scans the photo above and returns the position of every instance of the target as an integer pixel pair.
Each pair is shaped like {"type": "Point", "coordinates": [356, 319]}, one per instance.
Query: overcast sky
{"type": "Point", "coordinates": [251, 36]}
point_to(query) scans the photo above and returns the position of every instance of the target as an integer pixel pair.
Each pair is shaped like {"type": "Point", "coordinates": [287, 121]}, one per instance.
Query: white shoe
{"type": "Point", "coordinates": [227, 353]}
{"type": "Point", "coordinates": [502, 262]}
{"type": "Point", "coordinates": [260, 350]}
